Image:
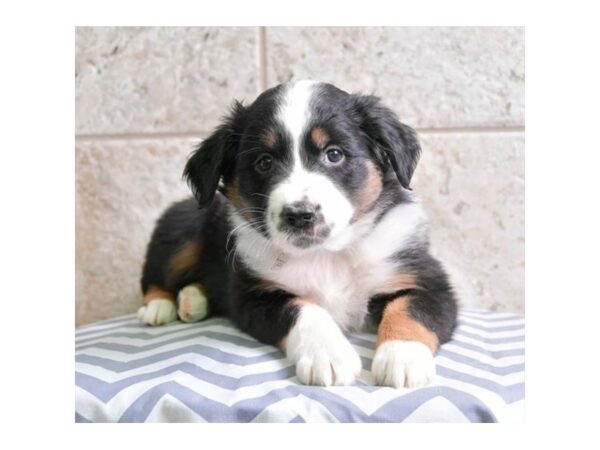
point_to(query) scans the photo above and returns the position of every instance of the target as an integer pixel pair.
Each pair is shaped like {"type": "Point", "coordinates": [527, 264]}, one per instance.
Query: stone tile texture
{"type": "Point", "coordinates": [160, 80]}
{"type": "Point", "coordinates": [431, 76]}
{"type": "Point", "coordinates": [144, 94]}
{"type": "Point", "coordinates": [473, 189]}
{"type": "Point", "coordinates": [121, 189]}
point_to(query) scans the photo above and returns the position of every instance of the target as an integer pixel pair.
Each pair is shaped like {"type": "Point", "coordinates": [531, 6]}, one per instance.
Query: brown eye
{"type": "Point", "coordinates": [334, 155]}
{"type": "Point", "coordinates": [264, 163]}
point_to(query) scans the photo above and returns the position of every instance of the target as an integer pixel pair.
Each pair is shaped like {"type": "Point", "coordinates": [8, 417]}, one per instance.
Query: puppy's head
{"type": "Point", "coordinates": [304, 162]}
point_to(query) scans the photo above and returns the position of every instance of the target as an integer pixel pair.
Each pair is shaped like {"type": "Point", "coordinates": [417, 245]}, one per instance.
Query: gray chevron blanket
{"type": "Point", "coordinates": [211, 372]}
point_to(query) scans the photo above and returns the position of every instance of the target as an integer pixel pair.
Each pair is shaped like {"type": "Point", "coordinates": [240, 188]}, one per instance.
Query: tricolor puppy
{"type": "Point", "coordinates": [314, 231]}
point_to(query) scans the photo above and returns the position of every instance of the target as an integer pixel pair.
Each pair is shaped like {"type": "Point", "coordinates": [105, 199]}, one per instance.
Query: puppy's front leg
{"type": "Point", "coordinates": [413, 322]}
{"type": "Point", "coordinates": [322, 354]}
{"type": "Point", "coordinates": [405, 348]}
{"type": "Point", "coordinates": [304, 331]}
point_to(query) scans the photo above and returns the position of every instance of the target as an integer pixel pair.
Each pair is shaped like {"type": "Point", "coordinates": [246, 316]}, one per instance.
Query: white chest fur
{"type": "Point", "coordinates": [340, 281]}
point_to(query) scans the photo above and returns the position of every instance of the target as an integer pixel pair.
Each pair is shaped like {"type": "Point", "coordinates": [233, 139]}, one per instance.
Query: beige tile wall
{"type": "Point", "coordinates": [144, 96]}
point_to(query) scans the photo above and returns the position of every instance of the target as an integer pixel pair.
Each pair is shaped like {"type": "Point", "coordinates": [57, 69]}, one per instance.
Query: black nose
{"type": "Point", "coordinates": [298, 216]}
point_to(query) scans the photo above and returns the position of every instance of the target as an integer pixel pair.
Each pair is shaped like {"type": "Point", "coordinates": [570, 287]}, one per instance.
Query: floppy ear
{"type": "Point", "coordinates": [390, 139]}
{"type": "Point", "coordinates": [214, 157]}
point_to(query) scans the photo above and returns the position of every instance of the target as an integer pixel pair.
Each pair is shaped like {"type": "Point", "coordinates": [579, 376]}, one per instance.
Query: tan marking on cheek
{"type": "Point", "coordinates": [320, 137]}
{"type": "Point", "coordinates": [234, 196]}
{"type": "Point", "coordinates": [397, 323]}
{"type": "Point", "coordinates": [156, 293]}
{"type": "Point", "coordinates": [370, 191]}
{"type": "Point", "coordinates": [270, 139]}
{"type": "Point", "coordinates": [182, 261]}
{"type": "Point", "coordinates": [300, 302]}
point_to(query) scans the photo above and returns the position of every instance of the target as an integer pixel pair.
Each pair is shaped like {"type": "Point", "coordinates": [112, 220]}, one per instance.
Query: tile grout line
{"type": "Point", "coordinates": [141, 136]}
{"type": "Point", "coordinates": [472, 129]}
{"type": "Point", "coordinates": [200, 134]}
{"type": "Point", "coordinates": [262, 59]}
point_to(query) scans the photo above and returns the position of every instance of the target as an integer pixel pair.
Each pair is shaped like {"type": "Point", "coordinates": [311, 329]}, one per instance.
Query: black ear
{"type": "Point", "coordinates": [390, 139]}
{"type": "Point", "coordinates": [214, 157]}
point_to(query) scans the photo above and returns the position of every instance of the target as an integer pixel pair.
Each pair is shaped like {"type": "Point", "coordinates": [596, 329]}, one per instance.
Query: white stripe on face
{"type": "Point", "coordinates": [294, 113]}
{"type": "Point", "coordinates": [302, 185]}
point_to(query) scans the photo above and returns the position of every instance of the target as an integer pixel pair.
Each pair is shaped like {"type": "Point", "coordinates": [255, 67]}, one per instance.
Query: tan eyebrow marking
{"type": "Point", "coordinates": [320, 137]}
{"type": "Point", "coordinates": [270, 139]}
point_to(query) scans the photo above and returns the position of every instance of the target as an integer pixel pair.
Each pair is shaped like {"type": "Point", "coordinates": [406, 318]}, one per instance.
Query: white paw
{"type": "Point", "coordinates": [322, 354]}
{"type": "Point", "coordinates": [192, 305]}
{"type": "Point", "coordinates": [158, 312]}
{"type": "Point", "coordinates": [403, 364]}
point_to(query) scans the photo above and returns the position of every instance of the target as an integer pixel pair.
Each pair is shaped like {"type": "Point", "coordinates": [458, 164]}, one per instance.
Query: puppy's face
{"type": "Point", "coordinates": [304, 162]}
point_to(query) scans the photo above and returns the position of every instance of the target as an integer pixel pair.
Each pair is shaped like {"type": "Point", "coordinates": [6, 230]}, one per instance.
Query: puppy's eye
{"type": "Point", "coordinates": [334, 155]}
{"type": "Point", "coordinates": [264, 163]}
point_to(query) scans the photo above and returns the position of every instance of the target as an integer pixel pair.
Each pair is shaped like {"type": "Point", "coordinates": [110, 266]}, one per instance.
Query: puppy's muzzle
{"type": "Point", "coordinates": [304, 224]}
{"type": "Point", "coordinates": [300, 217]}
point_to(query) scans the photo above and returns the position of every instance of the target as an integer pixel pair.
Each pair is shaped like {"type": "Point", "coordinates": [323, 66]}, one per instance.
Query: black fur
{"type": "Point", "coordinates": [432, 304]}
{"type": "Point", "coordinates": [392, 140]}
{"type": "Point", "coordinates": [367, 131]}
{"type": "Point", "coordinates": [232, 291]}
{"type": "Point", "coordinates": [215, 156]}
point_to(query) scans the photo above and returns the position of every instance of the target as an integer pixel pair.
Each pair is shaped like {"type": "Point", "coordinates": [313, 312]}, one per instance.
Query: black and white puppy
{"type": "Point", "coordinates": [313, 231]}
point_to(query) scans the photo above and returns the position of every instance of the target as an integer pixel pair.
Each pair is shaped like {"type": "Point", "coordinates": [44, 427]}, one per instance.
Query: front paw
{"type": "Point", "coordinates": [158, 312]}
{"type": "Point", "coordinates": [403, 364]}
{"type": "Point", "coordinates": [322, 354]}
{"type": "Point", "coordinates": [334, 363]}
{"type": "Point", "coordinates": [192, 305]}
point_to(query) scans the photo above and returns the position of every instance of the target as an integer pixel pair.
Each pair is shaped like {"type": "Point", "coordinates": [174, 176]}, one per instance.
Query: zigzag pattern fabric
{"type": "Point", "coordinates": [211, 372]}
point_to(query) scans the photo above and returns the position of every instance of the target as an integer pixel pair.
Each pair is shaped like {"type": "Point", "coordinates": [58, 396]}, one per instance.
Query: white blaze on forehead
{"type": "Point", "coordinates": [301, 184]}
{"type": "Point", "coordinates": [294, 113]}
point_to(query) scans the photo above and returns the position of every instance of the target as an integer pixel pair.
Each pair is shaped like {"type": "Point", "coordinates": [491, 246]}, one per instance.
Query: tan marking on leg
{"type": "Point", "coordinates": [397, 324]}
{"type": "Point", "coordinates": [182, 261]}
{"type": "Point", "coordinates": [270, 139]}
{"type": "Point", "coordinates": [320, 137]}
{"type": "Point", "coordinates": [303, 301]}
{"type": "Point", "coordinates": [268, 286]}
{"type": "Point", "coordinates": [157, 293]}
{"type": "Point", "coordinates": [370, 191]}
{"type": "Point", "coordinates": [300, 302]}
{"type": "Point", "coordinates": [400, 281]}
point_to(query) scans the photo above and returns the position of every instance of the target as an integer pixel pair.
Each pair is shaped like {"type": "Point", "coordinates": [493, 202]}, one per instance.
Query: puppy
{"type": "Point", "coordinates": [304, 226]}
